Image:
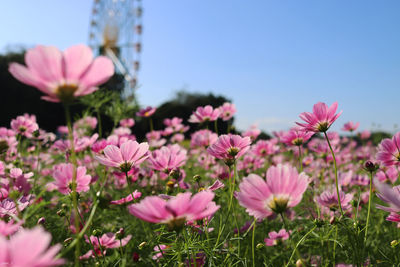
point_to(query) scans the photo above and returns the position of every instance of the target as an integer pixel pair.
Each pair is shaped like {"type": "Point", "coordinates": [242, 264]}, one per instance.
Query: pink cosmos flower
{"type": "Point", "coordinates": [128, 122]}
{"type": "Point", "coordinates": [253, 132]}
{"type": "Point", "coordinates": [392, 197]}
{"type": "Point", "coordinates": [130, 153]}
{"type": "Point", "coordinates": [168, 158]}
{"type": "Point", "coordinates": [29, 248]}
{"type": "Point", "coordinates": [101, 244]}
{"type": "Point", "coordinates": [296, 137]}
{"type": "Point", "coordinates": [283, 188]}
{"type": "Point", "coordinates": [24, 125]}
{"type": "Point", "coordinates": [329, 199]}
{"type": "Point", "coordinates": [226, 111]}
{"type": "Point", "coordinates": [9, 228]}
{"type": "Point", "coordinates": [389, 151]}
{"type": "Point", "coordinates": [154, 139]}
{"type": "Point", "coordinates": [265, 147]}
{"type": "Point", "coordinates": [63, 174]}
{"type": "Point", "coordinates": [62, 76]}
{"type": "Point", "coordinates": [174, 212]}
{"type": "Point", "coordinates": [203, 114]}
{"type": "Point", "coordinates": [391, 174]}
{"type": "Point", "coordinates": [229, 147]}
{"type": "Point", "coordinates": [146, 112]}
{"type": "Point", "coordinates": [85, 123]}
{"type": "Point", "coordinates": [274, 238]}
{"type": "Point", "coordinates": [350, 126]}
{"type": "Point", "coordinates": [320, 119]}
{"type": "Point", "coordinates": [365, 134]}
{"type": "Point", "coordinates": [203, 138]}
{"type": "Point", "coordinates": [134, 195]}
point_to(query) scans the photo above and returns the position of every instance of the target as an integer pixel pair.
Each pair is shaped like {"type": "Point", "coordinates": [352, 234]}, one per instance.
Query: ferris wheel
{"type": "Point", "coordinates": [115, 31]}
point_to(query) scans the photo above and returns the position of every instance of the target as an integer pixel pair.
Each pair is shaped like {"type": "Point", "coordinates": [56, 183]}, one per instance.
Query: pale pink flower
{"type": "Point", "coordinates": [29, 248]}
{"type": "Point", "coordinates": [320, 119]}
{"type": "Point", "coordinates": [350, 126]}
{"type": "Point", "coordinates": [216, 185]}
{"type": "Point", "coordinates": [296, 137]}
{"type": "Point", "coordinates": [253, 132]}
{"type": "Point", "coordinates": [154, 139]}
{"type": "Point", "coordinates": [129, 154]}
{"type": "Point", "coordinates": [63, 174]}
{"type": "Point", "coordinates": [177, 210]}
{"type": "Point", "coordinates": [128, 122]}
{"type": "Point", "coordinates": [9, 228]}
{"type": "Point", "coordinates": [226, 111]}
{"type": "Point", "coordinates": [204, 114]}
{"type": "Point", "coordinates": [283, 189]}
{"type": "Point", "coordinates": [101, 244]}
{"type": "Point", "coordinates": [274, 238]}
{"type": "Point", "coordinates": [160, 249]}
{"type": "Point", "coordinates": [62, 76]}
{"type": "Point", "coordinates": [85, 123]}
{"type": "Point", "coordinates": [329, 199]}
{"type": "Point", "coordinates": [391, 174]}
{"type": "Point", "coordinates": [389, 151]}
{"type": "Point", "coordinates": [24, 125]}
{"type": "Point", "coordinates": [146, 112]}
{"type": "Point", "coordinates": [265, 147]}
{"type": "Point", "coordinates": [134, 195]}
{"type": "Point", "coordinates": [390, 195]}
{"type": "Point", "coordinates": [229, 147]}
{"type": "Point", "coordinates": [203, 138]}
{"type": "Point", "coordinates": [365, 134]}
{"type": "Point", "coordinates": [168, 158]}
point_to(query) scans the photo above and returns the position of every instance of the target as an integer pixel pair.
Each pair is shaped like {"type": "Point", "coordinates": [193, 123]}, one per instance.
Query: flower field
{"type": "Point", "coordinates": [308, 196]}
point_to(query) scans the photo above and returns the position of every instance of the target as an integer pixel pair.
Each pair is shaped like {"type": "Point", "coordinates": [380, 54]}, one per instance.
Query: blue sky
{"type": "Point", "coordinates": [274, 59]}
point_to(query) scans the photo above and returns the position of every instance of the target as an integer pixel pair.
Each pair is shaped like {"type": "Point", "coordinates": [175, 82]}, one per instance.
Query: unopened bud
{"type": "Point", "coordinates": [394, 243]}
{"type": "Point", "coordinates": [170, 184]}
{"type": "Point", "coordinates": [197, 178]}
{"type": "Point", "coordinates": [120, 234]}
{"type": "Point", "coordinates": [41, 220]}
{"type": "Point", "coordinates": [141, 245]}
{"type": "Point", "coordinates": [96, 232]}
{"type": "Point", "coordinates": [300, 263]}
{"type": "Point", "coordinates": [369, 166]}
{"type": "Point", "coordinates": [67, 241]}
{"type": "Point", "coordinates": [175, 174]}
{"type": "Point", "coordinates": [260, 246]}
{"type": "Point", "coordinates": [61, 213]}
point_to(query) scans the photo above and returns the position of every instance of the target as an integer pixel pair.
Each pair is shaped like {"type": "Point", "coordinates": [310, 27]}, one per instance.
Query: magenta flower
{"type": "Point", "coordinates": [283, 189]}
{"type": "Point", "coordinates": [62, 76]}
{"type": "Point", "coordinates": [226, 111]}
{"type": "Point", "coordinates": [168, 158]}
{"type": "Point", "coordinates": [296, 137]}
{"type": "Point", "coordinates": [24, 125]}
{"type": "Point", "coordinates": [63, 174]}
{"type": "Point", "coordinates": [253, 132]}
{"type": "Point", "coordinates": [389, 151]}
{"type": "Point", "coordinates": [177, 210]}
{"type": "Point", "coordinates": [275, 238]}
{"type": "Point", "coordinates": [229, 147]}
{"type": "Point", "coordinates": [146, 112]}
{"type": "Point", "coordinates": [129, 154]}
{"type": "Point", "coordinates": [320, 119]}
{"type": "Point", "coordinates": [204, 114]}
{"type": "Point", "coordinates": [350, 126]}
{"type": "Point", "coordinates": [29, 248]}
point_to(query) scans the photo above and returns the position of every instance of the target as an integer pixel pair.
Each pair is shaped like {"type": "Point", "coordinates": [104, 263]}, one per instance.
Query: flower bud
{"type": "Point", "coordinates": [369, 166]}
{"type": "Point", "coordinates": [260, 246]}
{"type": "Point", "coordinates": [197, 178]}
{"type": "Point", "coordinates": [96, 232]}
{"type": "Point", "coordinates": [141, 245]}
{"type": "Point", "coordinates": [41, 220]}
{"type": "Point", "coordinates": [120, 234]}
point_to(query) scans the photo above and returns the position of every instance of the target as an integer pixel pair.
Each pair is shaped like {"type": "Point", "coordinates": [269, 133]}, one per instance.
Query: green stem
{"type": "Point", "coordinates": [216, 126]}
{"type": "Point", "coordinates": [300, 160]}
{"type": "Point", "coordinates": [74, 194]}
{"type": "Point", "coordinates": [290, 236]}
{"type": "Point", "coordinates": [298, 244]}
{"type": "Point", "coordinates": [369, 206]}
{"type": "Point", "coordinates": [151, 124]}
{"type": "Point", "coordinates": [252, 243]}
{"type": "Point", "coordinates": [336, 174]}
{"type": "Point", "coordinates": [99, 123]}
